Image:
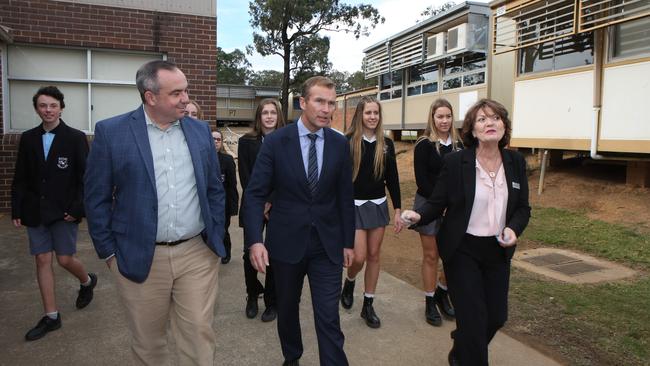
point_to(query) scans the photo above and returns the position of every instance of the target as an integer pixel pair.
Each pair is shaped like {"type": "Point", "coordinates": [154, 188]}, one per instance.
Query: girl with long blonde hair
{"type": "Point", "coordinates": [439, 138]}
{"type": "Point", "coordinates": [374, 168]}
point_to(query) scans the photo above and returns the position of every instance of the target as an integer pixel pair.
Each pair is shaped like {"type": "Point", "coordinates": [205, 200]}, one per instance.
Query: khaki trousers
{"type": "Point", "coordinates": [181, 288]}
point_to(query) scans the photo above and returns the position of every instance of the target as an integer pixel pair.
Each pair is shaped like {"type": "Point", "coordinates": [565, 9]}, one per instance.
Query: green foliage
{"type": "Point", "coordinates": [431, 11]}
{"type": "Point", "coordinates": [291, 30]}
{"type": "Point", "coordinates": [232, 68]}
{"type": "Point", "coordinates": [265, 78]}
{"type": "Point", "coordinates": [357, 80]}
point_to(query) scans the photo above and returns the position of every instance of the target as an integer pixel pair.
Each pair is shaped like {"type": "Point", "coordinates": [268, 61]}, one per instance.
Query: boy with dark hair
{"type": "Point", "coordinates": [47, 198]}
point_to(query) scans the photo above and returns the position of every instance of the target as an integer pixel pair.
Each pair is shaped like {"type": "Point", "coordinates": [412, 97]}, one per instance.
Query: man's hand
{"type": "Point", "coordinates": [259, 257]}
{"type": "Point", "coordinates": [109, 262]}
{"type": "Point", "coordinates": [398, 221]}
{"type": "Point", "coordinates": [68, 218]}
{"type": "Point", "coordinates": [17, 222]}
{"type": "Point", "coordinates": [348, 257]}
{"type": "Point", "coordinates": [507, 238]}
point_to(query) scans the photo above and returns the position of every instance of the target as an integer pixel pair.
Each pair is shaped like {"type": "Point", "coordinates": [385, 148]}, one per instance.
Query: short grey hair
{"type": "Point", "coordinates": [146, 79]}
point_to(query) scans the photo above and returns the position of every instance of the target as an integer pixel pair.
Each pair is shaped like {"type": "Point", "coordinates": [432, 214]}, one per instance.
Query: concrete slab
{"type": "Point", "coordinates": [570, 266]}
{"type": "Point", "coordinates": [97, 335]}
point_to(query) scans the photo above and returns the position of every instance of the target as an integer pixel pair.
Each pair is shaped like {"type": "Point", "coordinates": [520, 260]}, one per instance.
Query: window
{"type": "Point", "coordinates": [97, 84]}
{"type": "Point", "coordinates": [631, 38]}
{"type": "Point", "coordinates": [390, 85]}
{"type": "Point", "coordinates": [464, 71]}
{"type": "Point", "coordinates": [573, 51]}
{"type": "Point", "coordinates": [422, 79]}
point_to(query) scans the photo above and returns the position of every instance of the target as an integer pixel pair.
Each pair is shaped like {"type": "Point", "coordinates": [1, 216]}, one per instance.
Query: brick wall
{"type": "Point", "coordinates": [188, 40]}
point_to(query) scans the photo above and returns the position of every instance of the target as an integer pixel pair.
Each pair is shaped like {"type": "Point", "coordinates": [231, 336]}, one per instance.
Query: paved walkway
{"type": "Point", "coordinates": [97, 335]}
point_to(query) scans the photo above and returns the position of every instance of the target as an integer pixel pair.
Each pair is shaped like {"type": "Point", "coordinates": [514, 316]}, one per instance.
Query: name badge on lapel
{"type": "Point", "coordinates": [62, 163]}
{"type": "Point", "coordinates": [515, 185]}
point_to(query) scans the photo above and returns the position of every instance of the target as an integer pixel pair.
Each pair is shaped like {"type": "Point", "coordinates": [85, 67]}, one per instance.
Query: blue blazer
{"type": "Point", "coordinates": [120, 191]}
{"type": "Point", "coordinates": [279, 169]}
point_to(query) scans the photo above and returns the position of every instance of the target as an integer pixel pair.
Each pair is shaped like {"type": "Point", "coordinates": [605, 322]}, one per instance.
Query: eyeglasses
{"type": "Point", "coordinates": [217, 139]}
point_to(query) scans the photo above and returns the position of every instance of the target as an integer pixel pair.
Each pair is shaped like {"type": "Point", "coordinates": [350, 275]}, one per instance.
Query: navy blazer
{"type": "Point", "coordinates": [120, 191]}
{"type": "Point", "coordinates": [44, 189]}
{"type": "Point", "coordinates": [455, 190]}
{"type": "Point", "coordinates": [279, 169]}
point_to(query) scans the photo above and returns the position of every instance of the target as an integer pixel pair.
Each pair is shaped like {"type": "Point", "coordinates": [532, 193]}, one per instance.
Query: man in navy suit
{"type": "Point", "coordinates": [311, 226]}
{"type": "Point", "coordinates": [155, 208]}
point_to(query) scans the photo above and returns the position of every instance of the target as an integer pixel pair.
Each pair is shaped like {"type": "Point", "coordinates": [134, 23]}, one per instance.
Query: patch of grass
{"type": "Point", "coordinates": [602, 324]}
{"type": "Point", "coordinates": [572, 230]}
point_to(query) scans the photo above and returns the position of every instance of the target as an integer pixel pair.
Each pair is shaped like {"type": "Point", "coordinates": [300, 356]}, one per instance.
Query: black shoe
{"type": "Point", "coordinates": [453, 361]}
{"type": "Point", "coordinates": [368, 313]}
{"type": "Point", "coordinates": [347, 294]}
{"type": "Point", "coordinates": [442, 300]}
{"type": "Point", "coordinates": [269, 314]}
{"type": "Point", "coordinates": [251, 306]}
{"type": "Point", "coordinates": [46, 324]}
{"type": "Point", "coordinates": [225, 260]}
{"type": "Point", "coordinates": [291, 363]}
{"type": "Point", "coordinates": [431, 312]}
{"type": "Point", "coordinates": [86, 292]}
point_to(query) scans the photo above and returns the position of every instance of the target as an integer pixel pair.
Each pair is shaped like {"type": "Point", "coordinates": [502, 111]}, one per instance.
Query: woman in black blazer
{"type": "Point", "coordinates": [229, 180]}
{"type": "Point", "coordinates": [268, 118]}
{"type": "Point", "coordinates": [484, 190]}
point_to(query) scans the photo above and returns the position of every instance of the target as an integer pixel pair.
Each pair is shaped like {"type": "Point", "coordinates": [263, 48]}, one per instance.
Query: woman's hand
{"type": "Point", "coordinates": [398, 222]}
{"type": "Point", "coordinates": [409, 217]}
{"type": "Point", "coordinates": [507, 238]}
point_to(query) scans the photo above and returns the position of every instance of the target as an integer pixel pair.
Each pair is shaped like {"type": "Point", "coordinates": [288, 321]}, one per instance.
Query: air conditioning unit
{"type": "Point", "coordinates": [456, 38]}
{"type": "Point", "coordinates": [435, 45]}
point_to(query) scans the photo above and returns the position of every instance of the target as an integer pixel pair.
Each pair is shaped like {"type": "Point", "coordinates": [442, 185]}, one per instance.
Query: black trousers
{"type": "Point", "coordinates": [254, 286]}
{"type": "Point", "coordinates": [325, 285]}
{"type": "Point", "coordinates": [478, 277]}
{"type": "Point", "coordinates": [226, 237]}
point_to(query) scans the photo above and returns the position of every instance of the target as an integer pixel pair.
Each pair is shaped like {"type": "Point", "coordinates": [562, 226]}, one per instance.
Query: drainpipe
{"type": "Point", "coordinates": [599, 54]}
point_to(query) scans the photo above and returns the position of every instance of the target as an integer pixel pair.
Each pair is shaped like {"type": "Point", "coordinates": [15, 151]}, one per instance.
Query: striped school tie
{"type": "Point", "coordinates": [312, 164]}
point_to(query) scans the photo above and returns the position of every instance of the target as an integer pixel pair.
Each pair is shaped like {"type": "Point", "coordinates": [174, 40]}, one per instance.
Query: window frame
{"type": "Point", "coordinates": [553, 60]}
{"type": "Point", "coordinates": [421, 83]}
{"type": "Point", "coordinates": [88, 81]}
{"type": "Point", "coordinates": [464, 72]}
{"type": "Point", "coordinates": [611, 38]}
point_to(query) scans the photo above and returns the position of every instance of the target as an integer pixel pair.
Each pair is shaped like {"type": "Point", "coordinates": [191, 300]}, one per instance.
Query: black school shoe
{"type": "Point", "coordinates": [86, 292]}
{"type": "Point", "coordinates": [46, 324]}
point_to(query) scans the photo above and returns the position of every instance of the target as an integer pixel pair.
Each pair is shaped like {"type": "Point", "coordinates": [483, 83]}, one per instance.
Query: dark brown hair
{"type": "Point", "coordinates": [470, 119]}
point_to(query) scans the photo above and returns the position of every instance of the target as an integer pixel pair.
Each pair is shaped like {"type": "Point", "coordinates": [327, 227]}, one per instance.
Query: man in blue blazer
{"type": "Point", "coordinates": [155, 208]}
{"type": "Point", "coordinates": [310, 230]}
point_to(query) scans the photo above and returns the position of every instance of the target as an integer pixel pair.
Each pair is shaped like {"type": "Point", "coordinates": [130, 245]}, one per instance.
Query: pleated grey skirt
{"type": "Point", "coordinates": [370, 215]}
{"type": "Point", "coordinates": [431, 228]}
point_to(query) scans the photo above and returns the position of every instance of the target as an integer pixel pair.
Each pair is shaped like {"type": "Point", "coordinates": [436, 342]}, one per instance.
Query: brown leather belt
{"type": "Point", "coordinates": [173, 243]}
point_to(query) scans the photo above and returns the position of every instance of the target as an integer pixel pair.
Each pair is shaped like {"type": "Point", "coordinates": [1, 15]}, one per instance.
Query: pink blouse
{"type": "Point", "coordinates": [488, 216]}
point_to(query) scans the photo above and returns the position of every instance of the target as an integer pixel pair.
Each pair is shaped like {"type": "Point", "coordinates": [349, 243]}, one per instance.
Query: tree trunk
{"type": "Point", "coordinates": [285, 82]}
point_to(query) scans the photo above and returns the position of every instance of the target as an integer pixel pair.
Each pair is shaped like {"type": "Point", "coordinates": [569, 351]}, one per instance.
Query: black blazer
{"type": "Point", "coordinates": [43, 190]}
{"type": "Point", "coordinates": [229, 180]}
{"type": "Point", "coordinates": [247, 150]}
{"type": "Point", "coordinates": [455, 189]}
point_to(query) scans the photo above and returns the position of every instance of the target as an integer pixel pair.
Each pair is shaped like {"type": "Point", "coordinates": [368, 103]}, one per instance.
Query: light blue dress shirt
{"type": "Point", "coordinates": [305, 142]}
{"type": "Point", "coordinates": [48, 137]}
{"type": "Point", "coordinates": [179, 211]}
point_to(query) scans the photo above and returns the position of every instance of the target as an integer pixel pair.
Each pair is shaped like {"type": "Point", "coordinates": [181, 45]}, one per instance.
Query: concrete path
{"type": "Point", "coordinates": [97, 335]}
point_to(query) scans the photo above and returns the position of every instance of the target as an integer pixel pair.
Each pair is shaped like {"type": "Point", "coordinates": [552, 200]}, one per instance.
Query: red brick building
{"type": "Point", "coordinates": [91, 50]}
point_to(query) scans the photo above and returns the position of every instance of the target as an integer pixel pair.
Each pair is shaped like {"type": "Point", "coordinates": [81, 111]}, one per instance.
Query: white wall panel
{"type": "Point", "coordinates": [626, 102]}
{"type": "Point", "coordinates": [554, 107]}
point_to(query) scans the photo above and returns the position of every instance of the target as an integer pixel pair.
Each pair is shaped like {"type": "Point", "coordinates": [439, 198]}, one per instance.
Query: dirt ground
{"type": "Point", "coordinates": [596, 189]}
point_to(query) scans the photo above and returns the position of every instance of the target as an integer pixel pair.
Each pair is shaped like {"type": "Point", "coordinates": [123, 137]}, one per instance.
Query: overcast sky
{"type": "Point", "coordinates": [346, 53]}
